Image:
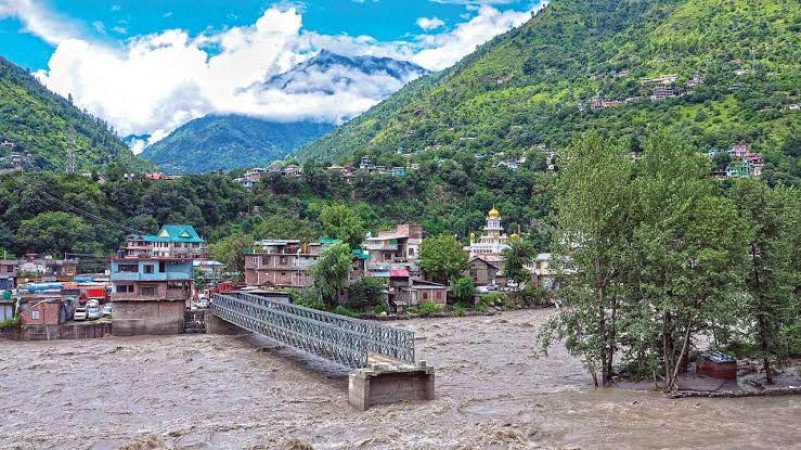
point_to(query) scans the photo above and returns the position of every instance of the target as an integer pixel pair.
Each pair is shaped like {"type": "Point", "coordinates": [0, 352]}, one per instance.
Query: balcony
{"type": "Point", "coordinates": [158, 276]}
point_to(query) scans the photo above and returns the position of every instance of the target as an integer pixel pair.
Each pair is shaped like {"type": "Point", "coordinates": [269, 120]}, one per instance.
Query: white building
{"type": "Point", "coordinates": [493, 240]}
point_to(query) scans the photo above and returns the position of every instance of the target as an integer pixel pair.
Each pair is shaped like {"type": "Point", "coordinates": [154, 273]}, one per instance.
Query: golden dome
{"type": "Point", "coordinates": [494, 213]}
{"type": "Point", "coordinates": [514, 236]}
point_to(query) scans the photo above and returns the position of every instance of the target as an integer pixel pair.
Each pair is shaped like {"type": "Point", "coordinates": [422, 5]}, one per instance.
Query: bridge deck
{"type": "Point", "coordinates": [341, 340]}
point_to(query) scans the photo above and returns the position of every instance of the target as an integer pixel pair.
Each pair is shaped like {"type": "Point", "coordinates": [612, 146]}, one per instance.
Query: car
{"type": "Point", "coordinates": [80, 314]}
{"type": "Point", "coordinates": [93, 312]}
{"type": "Point", "coordinates": [107, 310]}
{"type": "Point", "coordinates": [93, 304]}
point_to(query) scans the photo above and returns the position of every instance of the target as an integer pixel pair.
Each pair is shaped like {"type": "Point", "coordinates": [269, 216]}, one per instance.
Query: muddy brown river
{"type": "Point", "coordinates": [494, 391]}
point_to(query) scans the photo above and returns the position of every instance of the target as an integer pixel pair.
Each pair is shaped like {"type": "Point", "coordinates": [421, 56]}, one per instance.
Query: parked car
{"type": "Point", "coordinates": [92, 312]}
{"type": "Point", "coordinates": [80, 314]}
{"type": "Point", "coordinates": [93, 303]}
{"type": "Point", "coordinates": [107, 310]}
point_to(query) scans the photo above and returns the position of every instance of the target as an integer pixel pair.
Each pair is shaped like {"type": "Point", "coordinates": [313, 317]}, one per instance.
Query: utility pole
{"type": "Point", "coordinates": [71, 153]}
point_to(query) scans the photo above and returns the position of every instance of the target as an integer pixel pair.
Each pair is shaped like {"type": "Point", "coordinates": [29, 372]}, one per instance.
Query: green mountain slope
{"type": "Point", "coordinates": [527, 87]}
{"type": "Point", "coordinates": [40, 123]}
{"type": "Point", "coordinates": [229, 142]}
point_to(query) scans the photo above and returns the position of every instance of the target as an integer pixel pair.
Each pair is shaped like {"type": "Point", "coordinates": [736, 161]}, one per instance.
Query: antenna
{"type": "Point", "coordinates": [70, 167]}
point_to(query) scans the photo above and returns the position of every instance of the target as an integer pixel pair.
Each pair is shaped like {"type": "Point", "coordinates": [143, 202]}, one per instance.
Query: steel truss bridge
{"type": "Point", "coordinates": [341, 340]}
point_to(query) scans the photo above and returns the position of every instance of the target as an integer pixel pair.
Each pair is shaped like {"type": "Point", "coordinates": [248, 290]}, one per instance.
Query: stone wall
{"type": "Point", "coordinates": [148, 317]}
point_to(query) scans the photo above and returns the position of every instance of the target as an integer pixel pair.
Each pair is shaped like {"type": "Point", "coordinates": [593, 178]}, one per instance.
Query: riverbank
{"type": "Point", "coordinates": [495, 390]}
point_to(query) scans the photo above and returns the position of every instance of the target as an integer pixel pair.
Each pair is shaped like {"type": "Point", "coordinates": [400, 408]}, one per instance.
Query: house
{"type": "Point", "coordinates": [400, 245]}
{"type": "Point", "coordinates": [541, 271]}
{"type": "Point", "coordinates": [172, 241]}
{"type": "Point", "coordinates": [484, 270]}
{"type": "Point", "coordinates": [293, 170]}
{"type": "Point", "coordinates": [794, 107]}
{"type": "Point", "coordinates": [7, 144]}
{"type": "Point", "coordinates": [421, 291]}
{"type": "Point", "coordinates": [280, 263]}
{"type": "Point", "coordinates": [8, 274]}
{"type": "Point", "coordinates": [663, 80]}
{"type": "Point", "coordinates": [45, 310]}
{"type": "Point", "coordinates": [398, 171]}
{"type": "Point", "coordinates": [695, 81]}
{"type": "Point", "coordinates": [661, 92]}
{"type": "Point", "coordinates": [33, 269]}
{"type": "Point", "coordinates": [366, 163]}
{"type": "Point", "coordinates": [150, 294]}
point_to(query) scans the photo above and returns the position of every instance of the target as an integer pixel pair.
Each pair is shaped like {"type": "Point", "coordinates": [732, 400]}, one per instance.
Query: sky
{"type": "Point", "coordinates": [149, 66]}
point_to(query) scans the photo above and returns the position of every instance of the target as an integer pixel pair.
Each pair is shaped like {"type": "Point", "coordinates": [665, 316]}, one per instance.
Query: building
{"type": "Point", "coordinates": [45, 310]}
{"type": "Point", "coordinates": [172, 241]}
{"type": "Point", "coordinates": [150, 294]}
{"type": "Point", "coordinates": [663, 80]}
{"type": "Point", "coordinates": [484, 270]}
{"type": "Point", "coordinates": [493, 240]}
{"type": "Point", "coordinates": [280, 263]}
{"type": "Point", "coordinates": [541, 271]}
{"type": "Point", "coordinates": [33, 269]}
{"type": "Point", "coordinates": [8, 274]}
{"type": "Point", "coordinates": [662, 92]}
{"type": "Point", "coordinates": [421, 291]}
{"type": "Point", "coordinates": [400, 245]}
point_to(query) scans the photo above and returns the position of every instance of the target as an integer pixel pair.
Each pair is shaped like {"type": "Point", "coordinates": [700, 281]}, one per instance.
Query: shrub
{"type": "Point", "coordinates": [462, 290]}
{"type": "Point", "coordinates": [458, 310]}
{"type": "Point", "coordinates": [367, 293]}
{"type": "Point", "coordinates": [426, 308]}
{"type": "Point", "coordinates": [481, 307]}
{"type": "Point", "coordinates": [9, 323]}
{"type": "Point", "coordinates": [345, 311]}
{"type": "Point", "coordinates": [310, 298]}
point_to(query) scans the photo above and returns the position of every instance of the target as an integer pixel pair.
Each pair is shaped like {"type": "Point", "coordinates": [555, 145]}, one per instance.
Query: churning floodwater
{"type": "Point", "coordinates": [495, 390]}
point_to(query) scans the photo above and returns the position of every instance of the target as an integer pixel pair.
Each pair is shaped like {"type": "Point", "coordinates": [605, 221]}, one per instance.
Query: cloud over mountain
{"type": "Point", "coordinates": [154, 83]}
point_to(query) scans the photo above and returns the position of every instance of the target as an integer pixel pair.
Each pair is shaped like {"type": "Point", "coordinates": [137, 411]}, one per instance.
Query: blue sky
{"type": "Point", "coordinates": [105, 53]}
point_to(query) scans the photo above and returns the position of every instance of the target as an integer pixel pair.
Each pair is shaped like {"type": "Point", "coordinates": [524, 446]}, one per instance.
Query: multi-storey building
{"type": "Point", "coordinates": [8, 273]}
{"type": "Point", "coordinates": [172, 241]}
{"type": "Point", "coordinates": [280, 263]}
{"type": "Point", "coordinates": [152, 285]}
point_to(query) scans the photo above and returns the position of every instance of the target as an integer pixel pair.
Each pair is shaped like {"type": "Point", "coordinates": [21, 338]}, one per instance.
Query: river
{"type": "Point", "coordinates": [495, 390]}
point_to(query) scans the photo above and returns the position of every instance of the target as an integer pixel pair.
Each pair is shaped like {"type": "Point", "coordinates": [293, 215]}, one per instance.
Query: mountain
{"type": "Point", "coordinates": [235, 141]}
{"type": "Point", "coordinates": [229, 142]}
{"type": "Point", "coordinates": [327, 70]}
{"type": "Point", "coordinates": [40, 123]}
{"type": "Point", "coordinates": [579, 65]}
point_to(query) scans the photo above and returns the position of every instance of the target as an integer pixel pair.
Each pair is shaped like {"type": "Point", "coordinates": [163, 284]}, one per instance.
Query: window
{"type": "Point", "coordinates": [9, 269]}
{"type": "Point", "coordinates": [439, 295]}
{"type": "Point", "coordinates": [36, 315]}
{"type": "Point", "coordinates": [177, 285]}
{"type": "Point", "coordinates": [149, 268]}
{"type": "Point", "coordinates": [411, 252]}
{"type": "Point", "coordinates": [149, 291]}
{"type": "Point", "coordinates": [125, 289]}
{"type": "Point", "coordinates": [162, 266]}
{"type": "Point", "coordinates": [283, 260]}
{"type": "Point", "coordinates": [425, 295]}
{"type": "Point", "coordinates": [265, 261]}
{"type": "Point", "coordinates": [128, 268]}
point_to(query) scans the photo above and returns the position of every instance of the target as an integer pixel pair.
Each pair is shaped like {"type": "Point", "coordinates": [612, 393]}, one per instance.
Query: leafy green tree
{"type": "Point", "coordinates": [366, 293]}
{"type": "Point", "coordinates": [340, 222]}
{"type": "Point", "coordinates": [516, 258]}
{"type": "Point", "coordinates": [462, 290]}
{"type": "Point", "coordinates": [282, 226]}
{"type": "Point", "coordinates": [330, 272]}
{"type": "Point", "coordinates": [770, 304]}
{"type": "Point", "coordinates": [57, 233]}
{"type": "Point", "coordinates": [686, 255]}
{"type": "Point", "coordinates": [231, 252]}
{"type": "Point", "coordinates": [442, 258]}
{"type": "Point", "coordinates": [593, 225]}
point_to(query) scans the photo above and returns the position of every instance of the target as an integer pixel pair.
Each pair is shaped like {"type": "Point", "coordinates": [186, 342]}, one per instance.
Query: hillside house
{"type": "Point", "coordinates": [8, 274]}
{"type": "Point", "coordinates": [664, 80]}
{"type": "Point", "coordinates": [280, 263]}
{"type": "Point", "coordinates": [7, 144]}
{"type": "Point", "coordinates": [366, 163]}
{"type": "Point", "coordinates": [172, 241]}
{"type": "Point", "coordinates": [660, 93]}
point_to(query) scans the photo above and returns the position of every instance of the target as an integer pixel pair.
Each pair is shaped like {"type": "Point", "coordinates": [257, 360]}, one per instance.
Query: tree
{"type": "Point", "coordinates": [340, 222]}
{"type": "Point", "coordinates": [366, 293]}
{"type": "Point", "coordinates": [56, 233]}
{"type": "Point", "coordinates": [463, 290]}
{"type": "Point", "coordinates": [231, 252]}
{"type": "Point", "coordinates": [442, 258]}
{"type": "Point", "coordinates": [330, 272]}
{"type": "Point", "coordinates": [768, 276]}
{"type": "Point", "coordinates": [516, 258]}
{"type": "Point", "coordinates": [281, 226]}
{"type": "Point", "coordinates": [593, 224]}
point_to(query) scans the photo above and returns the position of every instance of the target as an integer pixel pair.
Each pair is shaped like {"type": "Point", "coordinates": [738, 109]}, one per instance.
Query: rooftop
{"type": "Point", "coordinates": [174, 233]}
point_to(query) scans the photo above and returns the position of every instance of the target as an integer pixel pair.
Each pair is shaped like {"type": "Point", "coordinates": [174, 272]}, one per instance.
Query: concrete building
{"type": "Point", "coordinates": [33, 269]}
{"type": "Point", "coordinates": [150, 294]}
{"type": "Point", "coordinates": [8, 274]}
{"type": "Point", "coordinates": [280, 263]}
{"type": "Point", "coordinates": [493, 241]}
{"type": "Point", "coordinates": [541, 271]}
{"type": "Point", "coordinates": [400, 245]}
{"type": "Point", "coordinates": [172, 241]}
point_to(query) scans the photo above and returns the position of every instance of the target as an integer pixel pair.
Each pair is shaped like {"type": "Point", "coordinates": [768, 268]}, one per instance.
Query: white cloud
{"type": "Point", "coordinates": [430, 23]}
{"type": "Point", "coordinates": [154, 83]}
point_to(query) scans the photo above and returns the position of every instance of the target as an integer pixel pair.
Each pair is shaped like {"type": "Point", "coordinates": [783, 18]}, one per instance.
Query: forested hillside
{"type": "Point", "coordinates": [736, 64]}
{"type": "Point", "coordinates": [39, 123]}
{"type": "Point", "coordinates": [229, 142]}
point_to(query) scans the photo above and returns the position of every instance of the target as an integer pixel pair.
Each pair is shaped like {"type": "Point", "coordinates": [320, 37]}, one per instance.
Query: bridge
{"type": "Point", "coordinates": [381, 357]}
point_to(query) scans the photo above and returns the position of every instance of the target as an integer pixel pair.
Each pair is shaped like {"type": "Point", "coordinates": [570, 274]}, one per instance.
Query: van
{"type": "Point", "coordinates": [80, 314]}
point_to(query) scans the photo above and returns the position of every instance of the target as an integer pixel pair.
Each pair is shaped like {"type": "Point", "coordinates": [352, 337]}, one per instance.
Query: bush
{"type": "Point", "coordinates": [367, 293]}
{"type": "Point", "coordinates": [493, 298]}
{"type": "Point", "coordinates": [458, 310]}
{"type": "Point", "coordinates": [9, 323]}
{"type": "Point", "coordinates": [345, 311]}
{"type": "Point", "coordinates": [426, 308]}
{"type": "Point", "coordinates": [481, 307]}
{"type": "Point", "coordinates": [462, 290]}
{"type": "Point", "coordinates": [310, 298]}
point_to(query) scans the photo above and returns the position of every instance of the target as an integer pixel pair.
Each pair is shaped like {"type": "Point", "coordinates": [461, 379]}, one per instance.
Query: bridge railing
{"type": "Point", "coordinates": [342, 340]}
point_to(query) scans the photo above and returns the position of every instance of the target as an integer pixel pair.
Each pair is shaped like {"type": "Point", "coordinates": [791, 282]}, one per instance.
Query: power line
{"type": "Point", "coordinates": [87, 214]}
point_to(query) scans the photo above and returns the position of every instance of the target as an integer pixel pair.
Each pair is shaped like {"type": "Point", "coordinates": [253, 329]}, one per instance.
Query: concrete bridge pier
{"type": "Point", "coordinates": [215, 325]}
{"type": "Point", "coordinates": [380, 384]}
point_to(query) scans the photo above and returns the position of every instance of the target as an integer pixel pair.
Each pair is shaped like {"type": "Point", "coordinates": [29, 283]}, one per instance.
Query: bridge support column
{"type": "Point", "coordinates": [215, 325]}
{"type": "Point", "coordinates": [374, 386]}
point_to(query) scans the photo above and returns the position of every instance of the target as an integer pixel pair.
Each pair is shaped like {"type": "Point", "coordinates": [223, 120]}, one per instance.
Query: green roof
{"type": "Point", "coordinates": [358, 253]}
{"type": "Point", "coordinates": [175, 233]}
{"type": "Point", "coordinates": [329, 241]}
